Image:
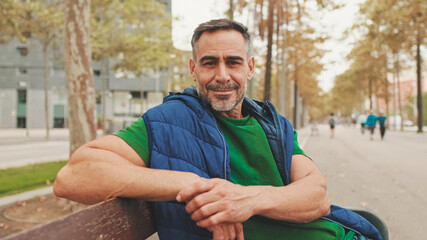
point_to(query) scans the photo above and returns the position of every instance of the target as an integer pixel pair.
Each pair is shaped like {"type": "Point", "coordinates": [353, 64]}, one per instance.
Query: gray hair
{"type": "Point", "coordinates": [220, 24]}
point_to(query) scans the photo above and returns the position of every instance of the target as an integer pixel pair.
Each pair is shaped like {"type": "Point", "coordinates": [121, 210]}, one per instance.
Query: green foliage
{"type": "Point", "coordinates": [136, 33]}
{"type": "Point", "coordinates": [20, 179]}
{"type": "Point", "coordinates": [22, 19]}
{"type": "Point", "coordinates": [9, 15]}
{"type": "Point", "coordinates": [44, 19]}
{"type": "Point", "coordinates": [346, 93]}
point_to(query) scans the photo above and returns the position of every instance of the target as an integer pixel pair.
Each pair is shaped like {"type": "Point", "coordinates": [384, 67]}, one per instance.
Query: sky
{"type": "Point", "coordinates": [193, 12]}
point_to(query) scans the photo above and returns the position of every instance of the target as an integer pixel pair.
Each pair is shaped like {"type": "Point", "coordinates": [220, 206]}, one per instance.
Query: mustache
{"type": "Point", "coordinates": [219, 86]}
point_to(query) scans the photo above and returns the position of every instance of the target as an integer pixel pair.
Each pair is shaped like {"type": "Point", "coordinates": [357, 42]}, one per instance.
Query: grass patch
{"type": "Point", "coordinates": [20, 179]}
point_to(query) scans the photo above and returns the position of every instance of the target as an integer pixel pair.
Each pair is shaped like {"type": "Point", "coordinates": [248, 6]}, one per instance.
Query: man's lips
{"type": "Point", "coordinates": [222, 91]}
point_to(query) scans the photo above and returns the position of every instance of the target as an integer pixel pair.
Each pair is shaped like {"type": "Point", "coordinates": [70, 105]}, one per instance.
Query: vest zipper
{"type": "Point", "coordinates": [225, 146]}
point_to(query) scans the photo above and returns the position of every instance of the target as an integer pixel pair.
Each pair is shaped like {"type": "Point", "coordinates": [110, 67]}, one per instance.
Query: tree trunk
{"type": "Point", "coordinates": [370, 93]}
{"type": "Point", "coordinates": [419, 92]}
{"type": "Point", "coordinates": [267, 83]}
{"type": "Point", "coordinates": [386, 88]}
{"type": "Point", "coordinates": [231, 9]}
{"type": "Point", "coordinates": [295, 114]}
{"type": "Point", "coordinates": [81, 92]}
{"type": "Point", "coordinates": [104, 80]}
{"type": "Point", "coordinates": [283, 81]}
{"type": "Point", "coordinates": [46, 90]}
{"type": "Point", "coordinates": [399, 101]}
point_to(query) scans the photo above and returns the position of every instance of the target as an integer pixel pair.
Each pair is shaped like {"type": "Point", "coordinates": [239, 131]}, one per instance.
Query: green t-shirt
{"type": "Point", "coordinates": [136, 136]}
{"type": "Point", "coordinates": [251, 163]}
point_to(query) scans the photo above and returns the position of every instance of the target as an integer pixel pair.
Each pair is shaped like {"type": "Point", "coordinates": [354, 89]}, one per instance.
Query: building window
{"type": "Point", "coordinates": [58, 116]}
{"type": "Point", "coordinates": [97, 73]}
{"type": "Point", "coordinates": [21, 122]}
{"type": "Point", "coordinates": [22, 50]}
{"type": "Point", "coordinates": [136, 94]}
{"type": "Point", "coordinates": [22, 70]}
{"type": "Point", "coordinates": [22, 96]}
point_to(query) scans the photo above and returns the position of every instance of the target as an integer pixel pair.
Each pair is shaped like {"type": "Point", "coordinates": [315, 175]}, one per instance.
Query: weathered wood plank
{"type": "Point", "coordinates": [113, 219]}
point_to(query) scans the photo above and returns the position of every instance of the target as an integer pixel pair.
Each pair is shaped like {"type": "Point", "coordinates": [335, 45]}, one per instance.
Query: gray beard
{"type": "Point", "coordinates": [222, 105]}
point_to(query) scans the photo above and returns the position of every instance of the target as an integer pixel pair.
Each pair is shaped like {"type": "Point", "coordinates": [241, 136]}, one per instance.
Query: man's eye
{"type": "Point", "coordinates": [209, 63]}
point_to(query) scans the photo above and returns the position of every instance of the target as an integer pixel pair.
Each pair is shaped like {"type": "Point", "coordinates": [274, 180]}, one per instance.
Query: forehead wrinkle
{"type": "Point", "coordinates": [221, 43]}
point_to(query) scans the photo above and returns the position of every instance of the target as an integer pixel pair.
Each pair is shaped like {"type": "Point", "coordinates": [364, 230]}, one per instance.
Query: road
{"type": "Point", "coordinates": [386, 176]}
{"type": "Point", "coordinates": [16, 149]}
{"type": "Point", "coordinates": [27, 153]}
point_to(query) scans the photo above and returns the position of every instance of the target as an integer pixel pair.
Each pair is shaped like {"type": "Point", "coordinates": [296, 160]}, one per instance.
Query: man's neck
{"type": "Point", "coordinates": [232, 114]}
{"type": "Point", "coordinates": [236, 112]}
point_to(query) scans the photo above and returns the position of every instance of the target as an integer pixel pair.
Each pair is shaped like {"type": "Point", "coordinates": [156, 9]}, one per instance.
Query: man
{"type": "Point", "coordinates": [332, 124]}
{"type": "Point", "coordinates": [215, 164]}
{"type": "Point", "coordinates": [382, 120]}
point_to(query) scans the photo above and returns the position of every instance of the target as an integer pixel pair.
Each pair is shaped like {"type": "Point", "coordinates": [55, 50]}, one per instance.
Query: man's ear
{"type": "Point", "coordinates": [192, 65]}
{"type": "Point", "coordinates": [251, 65]}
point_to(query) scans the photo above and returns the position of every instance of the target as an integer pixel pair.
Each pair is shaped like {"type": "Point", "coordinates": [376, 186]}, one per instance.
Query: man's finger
{"type": "Point", "coordinates": [215, 219]}
{"type": "Point", "coordinates": [239, 231]}
{"type": "Point", "coordinates": [231, 231]}
{"type": "Point", "coordinates": [193, 190]}
{"type": "Point", "coordinates": [218, 232]}
{"type": "Point", "coordinates": [203, 206]}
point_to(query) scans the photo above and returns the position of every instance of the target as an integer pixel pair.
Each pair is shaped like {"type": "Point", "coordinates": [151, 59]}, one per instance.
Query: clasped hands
{"type": "Point", "coordinates": [219, 206]}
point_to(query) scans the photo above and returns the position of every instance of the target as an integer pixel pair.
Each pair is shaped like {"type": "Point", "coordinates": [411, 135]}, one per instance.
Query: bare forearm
{"type": "Point", "coordinates": [109, 175]}
{"type": "Point", "coordinates": [297, 202]}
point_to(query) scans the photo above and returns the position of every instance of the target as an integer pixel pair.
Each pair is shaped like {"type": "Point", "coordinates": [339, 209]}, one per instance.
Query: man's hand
{"type": "Point", "coordinates": [214, 201]}
{"type": "Point", "coordinates": [227, 231]}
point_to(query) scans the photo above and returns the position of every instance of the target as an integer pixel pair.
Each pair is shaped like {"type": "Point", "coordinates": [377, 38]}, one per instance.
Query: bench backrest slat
{"type": "Point", "coordinates": [118, 218]}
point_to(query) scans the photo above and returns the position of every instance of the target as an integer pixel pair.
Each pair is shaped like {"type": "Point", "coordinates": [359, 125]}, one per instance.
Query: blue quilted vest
{"type": "Point", "coordinates": [183, 135]}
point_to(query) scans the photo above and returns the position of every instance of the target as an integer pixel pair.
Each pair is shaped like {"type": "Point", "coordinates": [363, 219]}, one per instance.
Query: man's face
{"type": "Point", "coordinates": [221, 70]}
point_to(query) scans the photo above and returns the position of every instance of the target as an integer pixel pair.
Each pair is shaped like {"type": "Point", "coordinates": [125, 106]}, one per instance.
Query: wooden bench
{"type": "Point", "coordinates": [122, 218]}
{"type": "Point", "coordinates": [117, 218]}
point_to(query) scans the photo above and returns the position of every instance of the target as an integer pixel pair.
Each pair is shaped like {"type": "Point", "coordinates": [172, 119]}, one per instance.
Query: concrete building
{"type": "Point", "coordinates": [22, 95]}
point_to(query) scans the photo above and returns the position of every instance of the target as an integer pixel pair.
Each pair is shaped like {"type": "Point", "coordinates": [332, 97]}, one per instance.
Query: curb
{"type": "Point", "coordinates": [25, 196]}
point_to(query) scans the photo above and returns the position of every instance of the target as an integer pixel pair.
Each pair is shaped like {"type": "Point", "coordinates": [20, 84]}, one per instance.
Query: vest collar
{"type": "Point", "coordinates": [264, 110]}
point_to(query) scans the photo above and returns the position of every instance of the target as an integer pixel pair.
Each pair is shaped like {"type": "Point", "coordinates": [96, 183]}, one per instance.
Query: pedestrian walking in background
{"type": "Point", "coordinates": [382, 120]}
{"type": "Point", "coordinates": [370, 123]}
{"type": "Point", "coordinates": [332, 124]}
{"type": "Point", "coordinates": [362, 120]}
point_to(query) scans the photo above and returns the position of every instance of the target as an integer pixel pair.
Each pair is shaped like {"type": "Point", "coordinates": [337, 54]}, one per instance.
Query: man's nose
{"type": "Point", "coordinates": [222, 74]}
